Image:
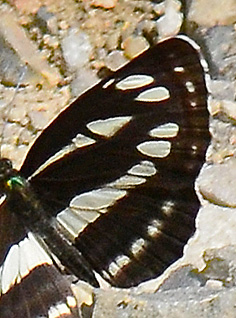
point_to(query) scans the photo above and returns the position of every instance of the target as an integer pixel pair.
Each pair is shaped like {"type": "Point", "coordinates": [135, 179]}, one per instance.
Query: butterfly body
{"type": "Point", "coordinates": [108, 187]}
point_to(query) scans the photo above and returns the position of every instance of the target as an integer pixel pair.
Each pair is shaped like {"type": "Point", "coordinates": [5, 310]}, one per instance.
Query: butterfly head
{"type": "Point", "coordinates": [9, 178]}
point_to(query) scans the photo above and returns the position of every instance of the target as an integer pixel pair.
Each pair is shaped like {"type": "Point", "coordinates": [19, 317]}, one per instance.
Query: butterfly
{"type": "Point", "coordinates": [108, 187]}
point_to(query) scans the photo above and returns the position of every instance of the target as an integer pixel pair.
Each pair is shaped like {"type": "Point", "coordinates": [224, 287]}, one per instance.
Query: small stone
{"type": "Point", "coordinates": [11, 133]}
{"type": "Point", "coordinates": [26, 137]}
{"type": "Point", "coordinates": [106, 4]}
{"type": "Point", "coordinates": [229, 108]}
{"type": "Point", "coordinates": [169, 24]}
{"type": "Point", "coordinates": [213, 12]}
{"type": "Point", "coordinates": [63, 25]}
{"type": "Point", "coordinates": [76, 49]}
{"type": "Point", "coordinates": [27, 7]}
{"type": "Point", "coordinates": [38, 119]}
{"type": "Point", "coordinates": [17, 114]}
{"type": "Point", "coordinates": [83, 293]}
{"type": "Point", "coordinates": [221, 43]}
{"type": "Point", "coordinates": [133, 46]}
{"type": "Point", "coordinates": [217, 177]}
{"type": "Point", "coordinates": [225, 107]}
{"type": "Point", "coordinates": [85, 79]}
{"type": "Point", "coordinates": [159, 8]}
{"type": "Point", "coordinates": [220, 265]}
{"type": "Point", "coordinates": [115, 60]}
{"type": "Point", "coordinates": [214, 284]}
{"type": "Point", "coordinates": [112, 41]}
{"type": "Point", "coordinates": [222, 89]}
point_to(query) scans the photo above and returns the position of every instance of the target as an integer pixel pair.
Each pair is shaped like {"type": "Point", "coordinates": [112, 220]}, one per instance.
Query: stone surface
{"type": "Point", "coordinates": [216, 228]}
{"type": "Point", "coordinates": [212, 12]}
{"type": "Point", "coordinates": [181, 303]}
{"type": "Point", "coordinates": [217, 177]}
{"type": "Point", "coordinates": [186, 293]}
{"type": "Point", "coordinates": [221, 265]}
{"type": "Point", "coordinates": [221, 44]}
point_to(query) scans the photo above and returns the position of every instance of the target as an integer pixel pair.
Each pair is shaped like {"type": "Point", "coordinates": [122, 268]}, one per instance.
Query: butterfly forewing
{"type": "Point", "coordinates": [145, 229]}
{"type": "Point", "coordinates": [115, 172]}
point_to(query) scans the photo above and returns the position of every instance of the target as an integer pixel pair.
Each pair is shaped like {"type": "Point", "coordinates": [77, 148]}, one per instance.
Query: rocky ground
{"type": "Point", "coordinates": [65, 44]}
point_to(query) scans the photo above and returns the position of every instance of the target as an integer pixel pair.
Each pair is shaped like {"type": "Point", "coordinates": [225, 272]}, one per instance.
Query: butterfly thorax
{"type": "Point", "coordinates": [22, 201]}
{"type": "Point", "coordinates": [19, 194]}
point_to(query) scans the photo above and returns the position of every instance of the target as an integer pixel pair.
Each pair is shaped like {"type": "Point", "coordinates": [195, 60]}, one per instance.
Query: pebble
{"type": "Point", "coordinates": [212, 12]}
{"type": "Point", "coordinates": [106, 4]}
{"type": "Point", "coordinates": [133, 46]}
{"type": "Point", "coordinates": [84, 79]}
{"type": "Point", "coordinates": [115, 60]}
{"type": "Point", "coordinates": [76, 49]}
{"type": "Point", "coordinates": [169, 24]}
{"type": "Point", "coordinates": [217, 177]}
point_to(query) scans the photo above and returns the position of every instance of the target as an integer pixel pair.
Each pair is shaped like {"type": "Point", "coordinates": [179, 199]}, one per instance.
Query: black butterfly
{"type": "Point", "coordinates": [108, 187]}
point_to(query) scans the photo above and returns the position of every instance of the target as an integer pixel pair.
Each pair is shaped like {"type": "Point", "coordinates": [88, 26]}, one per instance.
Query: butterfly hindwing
{"type": "Point", "coordinates": [30, 284]}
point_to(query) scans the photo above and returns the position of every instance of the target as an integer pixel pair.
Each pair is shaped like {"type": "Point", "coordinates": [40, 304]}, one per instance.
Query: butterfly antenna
{"type": "Point", "coordinates": [6, 108]}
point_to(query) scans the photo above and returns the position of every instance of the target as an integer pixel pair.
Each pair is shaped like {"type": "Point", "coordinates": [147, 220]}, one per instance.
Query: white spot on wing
{"type": "Point", "coordinates": [113, 269]}
{"type": "Point", "coordinates": [155, 94]}
{"type": "Point", "coordinates": [144, 168]}
{"type": "Point", "coordinates": [53, 312]}
{"type": "Point", "coordinates": [71, 222]}
{"type": "Point", "coordinates": [137, 246]}
{"type": "Point", "coordinates": [168, 130]}
{"type": "Point", "coordinates": [20, 260]}
{"type": "Point", "coordinates": [78, 142]}
{"type": "Point", "coordinates": [108, 127]}
{"type": "Point", "coordinates": [108, 83]}
{"type": "Point", "coordinates": [179, 69]}
{"type": "Point", "coordinates": [2, 199]}
{"type": "Point", "coordinates": [127, 182]}
{"type": "Point", "coordinates": [33, 252]}
{"type": "Point", "coordinates": [82, 141]}
{"type": "Point", "coordinates": [190, 87]}
{"type": "Point", "coordinates": [117, 265]}
{"type": "Point", "coordinates": [75, 220]}
{"type": "Point", "coordinates": [58, 311]}
{"type": "Point", "coordinates": [71, 301]}
{"type": "Point", "coordinates": [134, 82]}
{"type": "Point", "coordinates": [89, 216]}
{"type": "Point", "coordinates": [154, 228]}
{"type": "Point", "coordinates": [168, 207]}
{"type": "Point", "coordinates": [97, 199]}
{"type": "Point", "coordinates": [122, 260]}
{"type": "Point", "coordinates": [9, 270]}
{"type": "Point", "coordinates": [156, 149]}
